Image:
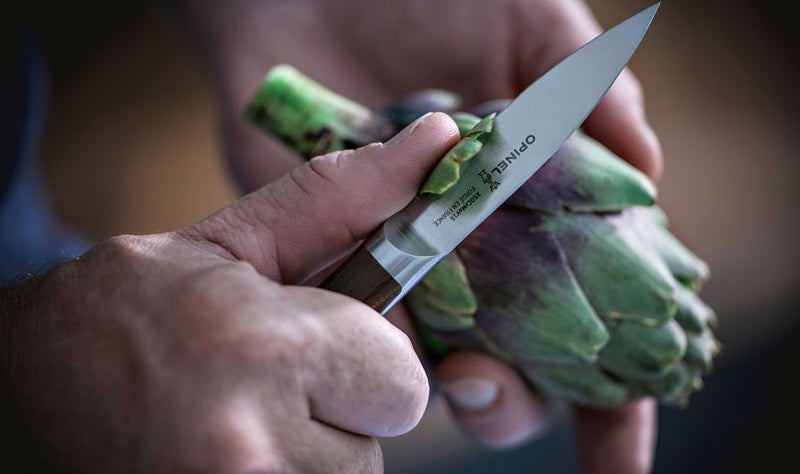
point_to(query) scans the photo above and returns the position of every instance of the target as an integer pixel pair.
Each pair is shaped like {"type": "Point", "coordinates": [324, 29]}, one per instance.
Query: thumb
{"type": "Point", "coordinates": [312, 216]}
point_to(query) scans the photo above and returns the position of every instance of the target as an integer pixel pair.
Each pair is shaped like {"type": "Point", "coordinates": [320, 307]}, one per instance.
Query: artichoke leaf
{"type": "Point", "coordinates": [448, 171]}
{"type": "Point", "coordinates": [583, 176]}
{"type": "Point", "coordinates": [684, 265]}
{"type": "Point", "coordinates": [622, 277]}
{"type": "Point", "coordinates": [584, 384]}
{"type": "Point", "coordinates": [640, 351]}
{"type": "Point", "coordinates": [701, 350]}
{"type": "Point", "coordinates": [530, 303]}
{"type": "Point", "coordinates": [693, 314]}
{"type": "Point", "coordinates": [444, 299]}
{"type": "Point", "coordinates": [465, 122]}
{"type": "Point", "coordinates": [672, 387]}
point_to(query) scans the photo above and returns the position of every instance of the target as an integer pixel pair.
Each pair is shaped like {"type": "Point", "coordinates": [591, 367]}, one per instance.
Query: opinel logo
{"type": "Point", "coordinates": [507, 161]}
{"type": "Point", "coordinates": [487, 178]}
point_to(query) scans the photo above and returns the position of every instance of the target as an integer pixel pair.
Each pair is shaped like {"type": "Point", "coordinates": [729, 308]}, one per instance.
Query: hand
{"type": "Point", "coordinates": [376, 51]}
{"type": "Point", "coordinates": [191, 350]}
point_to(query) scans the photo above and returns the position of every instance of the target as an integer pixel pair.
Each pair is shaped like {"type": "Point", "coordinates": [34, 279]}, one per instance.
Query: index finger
{"type": "Point", "coordinates": [360, 373]}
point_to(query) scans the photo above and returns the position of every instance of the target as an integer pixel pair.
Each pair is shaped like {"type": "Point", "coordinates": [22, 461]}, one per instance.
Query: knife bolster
{"type": "Point", "coordinates": [363, 278]}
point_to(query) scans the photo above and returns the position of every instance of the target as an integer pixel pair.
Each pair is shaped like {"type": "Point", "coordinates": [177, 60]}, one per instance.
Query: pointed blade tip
{"type": "Point", "coordinates": [644, 18]}
{"type": "Point", "coordinates": [652, 9]}
{"type": "Point", "coordinates": [516, 120]}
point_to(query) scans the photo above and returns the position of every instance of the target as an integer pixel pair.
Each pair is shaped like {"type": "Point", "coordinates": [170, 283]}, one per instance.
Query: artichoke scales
{"type": "Point", "coordinates": [575, 280]}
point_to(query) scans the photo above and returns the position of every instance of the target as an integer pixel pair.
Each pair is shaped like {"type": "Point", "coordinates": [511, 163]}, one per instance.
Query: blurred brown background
{"type": "Point", "coordinates": [132, 147]}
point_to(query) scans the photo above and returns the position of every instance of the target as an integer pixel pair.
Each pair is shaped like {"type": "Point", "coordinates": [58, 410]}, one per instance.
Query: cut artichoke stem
{"type": "Point", "coordinates": [310, 118]}
{"type": "Point", "coordinates": [575, 281]}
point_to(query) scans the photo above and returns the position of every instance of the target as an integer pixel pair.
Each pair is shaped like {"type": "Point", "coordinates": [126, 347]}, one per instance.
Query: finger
{"type": "Point", "coordinates": [619, 121]}
{"type": "Point", "coordinates": [620, 440]}
{"type": "Point", "coordinates": [362, 374]}
{"type": "Point", "coordinates": [315, 447]}
{"type": "Point", "coordinates": [489, 400]}
{"type": "Point", "coordinates": [318, 211]}
{"type": "Point", "coordinates": [401, 319]}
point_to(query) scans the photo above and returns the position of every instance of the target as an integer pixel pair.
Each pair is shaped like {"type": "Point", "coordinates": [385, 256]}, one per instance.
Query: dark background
{"type": "Point", "coordinates": [132, 147]}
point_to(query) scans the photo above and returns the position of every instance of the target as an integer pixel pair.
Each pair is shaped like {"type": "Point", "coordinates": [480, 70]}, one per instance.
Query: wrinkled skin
{"type": "Point", "coordinates": [479, 49]}
{"type": "Point", "coordinates": [195, 351]}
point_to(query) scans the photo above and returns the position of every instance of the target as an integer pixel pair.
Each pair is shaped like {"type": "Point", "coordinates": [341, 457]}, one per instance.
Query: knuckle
{"type": "Point", "coordinates": [93, 277]}
{"type": "Point", "coordinates": [416, 400]}
{"type": "Point", "coordinates": [324, 168]}
{"type": "Point", "coordinates": [229, 279]}
{"type": "Point", "coordinates": [198, 291]}
{"type": "Point", "coordinates": [363, 455]}
{"type": "Point", "coordinates": [292, 345]}
{"type": "Point", "coordinates": [229, 275]}
{"type": "Point", "coordinates": [410, 384]}
{"type": "Point", "coordinates": [120, 247]}
{"type": "Point", "coordinates": [400, 345]}
{"type": "Point", "coordinates": [314, 182]}
{"type": "Point", "coordinates": [377, 456]}
{"type": "Point", "coordinates": [232, 301]}
{"type": "Point", "coordinates": [295, 340]}
{"type": "Point", "coordinates": [240, 441]}
{"type": "Point", "coordinates": [108, 260]}
{"type": "Point", "coordinates": [372, 457]}
{"type": "Point", "coordinates": [223, 306]}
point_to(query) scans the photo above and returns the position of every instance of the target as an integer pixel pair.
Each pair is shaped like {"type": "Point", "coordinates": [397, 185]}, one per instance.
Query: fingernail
{"type": "Point", "coordinates": [472, 394]}
{"type": "Point", "coordinates": [406, 132]}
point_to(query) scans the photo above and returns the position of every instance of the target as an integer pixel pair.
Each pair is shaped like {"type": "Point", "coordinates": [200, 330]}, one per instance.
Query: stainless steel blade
{"type": "Point", "coordinates": [526, 134]}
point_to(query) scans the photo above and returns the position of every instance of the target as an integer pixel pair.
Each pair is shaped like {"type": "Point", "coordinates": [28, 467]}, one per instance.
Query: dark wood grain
{"type": "Point", "coordinates": [363, 278]}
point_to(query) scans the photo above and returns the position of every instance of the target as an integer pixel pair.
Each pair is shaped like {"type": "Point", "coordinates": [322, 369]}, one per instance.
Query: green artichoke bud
{"type": "Point", "coordinates": [576, 280]}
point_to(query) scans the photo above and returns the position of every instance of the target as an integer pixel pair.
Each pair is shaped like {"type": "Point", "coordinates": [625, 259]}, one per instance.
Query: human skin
{"type": "Point", "coordinates": [374, 52]}
{"type": "Point", "coordinates": [194, 350]}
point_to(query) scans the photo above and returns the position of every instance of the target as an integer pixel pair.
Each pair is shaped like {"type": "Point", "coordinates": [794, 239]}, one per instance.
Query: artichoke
{"type": "Point", "coordinates": [575, 280]}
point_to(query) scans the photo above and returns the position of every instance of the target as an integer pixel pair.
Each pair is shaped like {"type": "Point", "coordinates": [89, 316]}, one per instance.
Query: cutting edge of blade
{"type": "Point", "coordinates": [450, 239]}
{"type": "Point", "coordinates": [649, 13]}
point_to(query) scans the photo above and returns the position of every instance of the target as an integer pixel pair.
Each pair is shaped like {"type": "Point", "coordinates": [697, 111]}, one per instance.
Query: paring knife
{"type": "Point", "coordinates": [525, 135]}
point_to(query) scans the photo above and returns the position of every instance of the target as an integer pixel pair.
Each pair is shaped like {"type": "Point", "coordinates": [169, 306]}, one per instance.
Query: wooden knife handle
{"type": "Point", "coordinates": [363, 278]}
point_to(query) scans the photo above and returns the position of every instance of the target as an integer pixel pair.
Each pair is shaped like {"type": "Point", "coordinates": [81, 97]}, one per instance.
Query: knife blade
{"type": "Point", "coordinates": [525, 135]}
